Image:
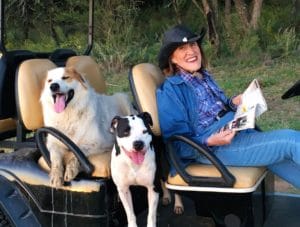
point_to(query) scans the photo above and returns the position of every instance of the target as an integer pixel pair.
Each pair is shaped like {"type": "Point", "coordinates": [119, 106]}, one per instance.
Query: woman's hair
{"type": "Point", "coordinates": [172, 69]}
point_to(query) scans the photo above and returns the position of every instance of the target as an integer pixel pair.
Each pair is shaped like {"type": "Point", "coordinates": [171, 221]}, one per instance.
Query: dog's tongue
{"type": "Point", "coordinates": [60, 103]}
{"type": "Point", "coordinates": [137, 157]}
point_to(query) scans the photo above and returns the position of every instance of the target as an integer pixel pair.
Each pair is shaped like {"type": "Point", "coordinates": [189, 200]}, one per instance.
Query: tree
{"type": "Point", "coordinates": [209, 9]}
{"type": "Point", "coordinates": [296, 15]}
{"type": "Point", "coordinates": [24, 9]}
{"type": "Point", "coordinates": [227, 11]}
{"type": "Point", "coordinates": [249, 16]}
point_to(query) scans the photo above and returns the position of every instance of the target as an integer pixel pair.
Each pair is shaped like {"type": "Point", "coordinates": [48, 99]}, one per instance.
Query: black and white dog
{"type": "Point", "coordinates": [133, 163]}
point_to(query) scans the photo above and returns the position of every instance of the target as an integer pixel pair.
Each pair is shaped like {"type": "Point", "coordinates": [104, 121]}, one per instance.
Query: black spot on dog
{"type": "Point", "coordinates": [146, 117]}
{"type": "Point", "coordinates": [123, 129]}
{"type": "Point", "coordinates": [117, 149]}
{"type": "Point", "coordinates": [151, 145]}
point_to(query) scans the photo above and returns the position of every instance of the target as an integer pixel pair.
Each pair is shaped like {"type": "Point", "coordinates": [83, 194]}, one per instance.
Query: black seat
{"type": "Point", "coordinates": [60, 56]}
{"type": "Point", "coordinates": [9, 63]}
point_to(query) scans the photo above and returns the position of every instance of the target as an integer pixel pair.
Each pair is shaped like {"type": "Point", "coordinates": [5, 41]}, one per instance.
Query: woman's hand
{"type": "Point", "coordinates": [221, 138]}
{"type": "Point", "coordinates": [237, 100]}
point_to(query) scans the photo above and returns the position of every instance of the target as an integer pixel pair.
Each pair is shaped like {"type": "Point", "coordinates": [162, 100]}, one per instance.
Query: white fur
{"type": "Point", "coordinates": [85, 120]}
{"type": "Point", "coordinates": [126, 173]}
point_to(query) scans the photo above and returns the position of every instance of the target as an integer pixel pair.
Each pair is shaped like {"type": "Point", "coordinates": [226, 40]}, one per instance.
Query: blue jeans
{"type": "Point", "coordinates": [279, 150]}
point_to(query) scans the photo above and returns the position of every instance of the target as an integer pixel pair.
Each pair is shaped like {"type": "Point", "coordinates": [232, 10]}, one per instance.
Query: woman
{"type": "Point", "coordinates": [190, 103]}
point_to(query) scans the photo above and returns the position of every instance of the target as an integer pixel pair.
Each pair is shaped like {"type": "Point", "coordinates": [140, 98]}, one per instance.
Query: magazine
{"type": "Point", "coordinates": [252, 106]}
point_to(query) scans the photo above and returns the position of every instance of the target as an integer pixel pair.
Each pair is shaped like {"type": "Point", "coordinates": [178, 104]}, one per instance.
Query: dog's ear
{"type": "Point", "coordinates": [147, 118]}
{"type": "Point", "coordinates": [71, 71]}
{"type": "Point", "coordinates": [114, 123]}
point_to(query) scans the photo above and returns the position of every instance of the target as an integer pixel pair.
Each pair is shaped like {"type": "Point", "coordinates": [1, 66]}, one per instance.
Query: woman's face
{"type": "Point", "coordinates": [188, 57]}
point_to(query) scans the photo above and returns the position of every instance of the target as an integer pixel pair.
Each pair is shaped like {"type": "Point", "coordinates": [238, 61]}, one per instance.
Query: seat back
{"type": "Point", "coordinates": [144, 79]}
{"type": "Point", "coordinates": [9, 63]}
{"type": "Point", "coordinates": [86, 66]}
{"type": "Point", "coordinates": [60, 56]}
{"type": "Point", "coordinates": [30, 82]}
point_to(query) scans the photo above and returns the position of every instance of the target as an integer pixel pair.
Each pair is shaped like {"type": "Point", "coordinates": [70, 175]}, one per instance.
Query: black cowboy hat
{"type": "Point", "coordinates": [173, 38]}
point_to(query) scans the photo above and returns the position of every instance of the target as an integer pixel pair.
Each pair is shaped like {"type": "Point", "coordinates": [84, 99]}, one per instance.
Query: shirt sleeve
{"type": "Point", "coordinates": [171, 112]}
{"type": "Point", "coordinates": [173, 115]}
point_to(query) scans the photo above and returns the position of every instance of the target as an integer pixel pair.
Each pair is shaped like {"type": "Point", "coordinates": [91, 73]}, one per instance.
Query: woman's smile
{"type": "Point", "coordinates": [187, 57]}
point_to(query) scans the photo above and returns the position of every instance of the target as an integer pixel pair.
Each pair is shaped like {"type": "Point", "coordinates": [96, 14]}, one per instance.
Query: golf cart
{"type": "Point", "coordinates": [26, 196]}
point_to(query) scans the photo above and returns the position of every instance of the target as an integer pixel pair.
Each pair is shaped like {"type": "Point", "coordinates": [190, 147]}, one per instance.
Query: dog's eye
{"type": "Point", "coordinates": [145, 131]}
{"type": "Point", "coordinates": [50, 80]}
{"type": "Point", "coordinates": [65, 77]}
{"type": "Point", "coordinates": [126, 133]}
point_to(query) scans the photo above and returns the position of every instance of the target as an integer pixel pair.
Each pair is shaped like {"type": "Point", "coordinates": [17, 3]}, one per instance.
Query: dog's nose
{"type": "Point", "coordinates": [54, 87]}
{"type": "Point", "coordinates": [138, 145]}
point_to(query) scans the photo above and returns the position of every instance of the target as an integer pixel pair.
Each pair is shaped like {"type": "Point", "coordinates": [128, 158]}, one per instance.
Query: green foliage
{"type": "Point", "coordinates": [277, 32]}
{"type": "Point", "coordinates": [238, 42]}
{"type": "Point", "coordinates": [116, 34]}
{"type": "Point", "coordinates": [128, 32]}
{"type": "Point", "coordinates": [285, 41]}
{"type": "Point", "coordinates": [45, 26]}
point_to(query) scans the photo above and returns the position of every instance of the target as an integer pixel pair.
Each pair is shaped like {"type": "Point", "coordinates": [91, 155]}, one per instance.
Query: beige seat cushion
{"type": "Point", "coordinates": [146, 78]}
{"type": "Point", "coordinates": [101, 163]}
{"type": "Point", "coordinates": [246, 177]}
{"type": "Point", "coordinates": [30, 82]}
{"type": "Point", "coordinates": [7, 125]}
{"type": "Point", "coordinates": [86, 66]}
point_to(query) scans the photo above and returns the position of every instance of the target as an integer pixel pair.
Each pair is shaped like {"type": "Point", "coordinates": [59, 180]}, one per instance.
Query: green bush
{"type": "Point", "coordinates": [116, 34]}
{"type": "Point", "coordinates": [285, 42]}
{"type": "Point", "coordinates": [276, 30]}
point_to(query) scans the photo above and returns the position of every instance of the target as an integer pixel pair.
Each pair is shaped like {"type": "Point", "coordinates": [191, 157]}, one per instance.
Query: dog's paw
{"type": "Point", "coordinates": [133, 224]}
{"type": "Point", "coordinates": [72, 169]}
{"type": "Point", "coordinates": [166, 201]}
{"type": "Point", "coordinates": [151, 225]}
{"type": "Point", "coordinates": [178, 210]}
{"type": "Point", "coordinates": [166, 198]}
{"type": "Point", "coordinates": [178, 205]}
{"type": "Point", "coordinates": [56, 177]}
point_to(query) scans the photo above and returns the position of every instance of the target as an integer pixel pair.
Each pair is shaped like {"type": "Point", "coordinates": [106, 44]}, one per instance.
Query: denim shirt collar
{"type": "Point", "coordinates": [177, 79]}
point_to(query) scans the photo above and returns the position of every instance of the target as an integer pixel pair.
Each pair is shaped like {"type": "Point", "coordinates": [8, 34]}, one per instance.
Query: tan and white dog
{"type": "Point", "coordinates": [72, 106]}
{"type": "Point", "coordinates": [133, 163]}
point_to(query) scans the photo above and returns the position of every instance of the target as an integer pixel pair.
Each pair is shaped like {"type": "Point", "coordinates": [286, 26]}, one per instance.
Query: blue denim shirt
{"type": "Point", "coordinates": [178, 111]}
